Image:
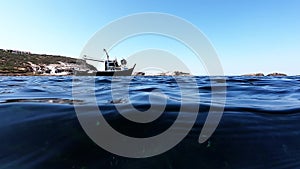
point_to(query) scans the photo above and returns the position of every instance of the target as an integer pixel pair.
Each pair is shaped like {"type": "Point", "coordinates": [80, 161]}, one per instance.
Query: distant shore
{"type": "Point", "coordinates": [32, 74]}
{"type": "Point", "coordinates": [27, 74]}
{"type": "Point", "coordinates": [20, 63]}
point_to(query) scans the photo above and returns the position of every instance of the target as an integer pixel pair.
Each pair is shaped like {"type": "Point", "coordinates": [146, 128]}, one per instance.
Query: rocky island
{"type": "Point", "coordinates": [20, 63]}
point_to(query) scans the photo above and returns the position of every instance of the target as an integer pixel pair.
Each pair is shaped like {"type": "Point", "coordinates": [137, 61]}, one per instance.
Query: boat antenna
{"type": "Point", "coordinates": [106, 54]}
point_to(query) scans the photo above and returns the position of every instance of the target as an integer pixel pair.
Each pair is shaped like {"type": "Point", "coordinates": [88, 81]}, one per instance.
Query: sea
{"type": "Point", "coordinates": [259, 127]}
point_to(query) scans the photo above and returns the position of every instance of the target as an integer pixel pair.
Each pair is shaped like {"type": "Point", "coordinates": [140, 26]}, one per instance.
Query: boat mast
{"type": "Point", "coordinates": [106, 54]}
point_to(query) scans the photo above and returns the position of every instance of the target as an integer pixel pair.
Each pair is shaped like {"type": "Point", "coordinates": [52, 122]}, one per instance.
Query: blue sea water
{"type": "Point", "coordinates": [260, 126]}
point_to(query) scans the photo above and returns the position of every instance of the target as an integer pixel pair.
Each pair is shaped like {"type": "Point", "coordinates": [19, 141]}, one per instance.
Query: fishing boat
{"type": "Point", "coordinates": [109, 67]}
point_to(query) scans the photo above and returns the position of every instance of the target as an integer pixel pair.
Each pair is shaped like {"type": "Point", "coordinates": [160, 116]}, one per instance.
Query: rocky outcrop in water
{"type": "Point", "coordinates": [175, 73]}
{"type": "Point", "coordinates": [139, 74]}
{"type": "Point", "coordinates": [254, 74]}
{"type": "Point", "coordinates": [261, 74]}
{"type": "Point", "coordinates": [277, 74]}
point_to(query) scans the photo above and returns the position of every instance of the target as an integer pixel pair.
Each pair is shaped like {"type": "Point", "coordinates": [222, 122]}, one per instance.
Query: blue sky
{"type": "Point", "coordinates": [249, 36]}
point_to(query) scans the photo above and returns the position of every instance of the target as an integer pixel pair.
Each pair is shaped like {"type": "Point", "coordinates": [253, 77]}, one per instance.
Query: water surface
{"type": "Point", "coordinates": [259, 128]}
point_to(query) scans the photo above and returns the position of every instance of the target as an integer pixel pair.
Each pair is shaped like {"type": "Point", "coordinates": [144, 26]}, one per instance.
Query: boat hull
{"type": "Point", "coordinates": [127, 72]}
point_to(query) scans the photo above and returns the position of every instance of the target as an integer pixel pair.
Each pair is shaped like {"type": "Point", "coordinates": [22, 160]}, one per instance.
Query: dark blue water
{"type": "Point", "coordinates": [260, 127]}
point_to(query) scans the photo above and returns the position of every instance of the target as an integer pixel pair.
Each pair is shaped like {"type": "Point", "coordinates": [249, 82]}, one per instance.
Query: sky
{"type": "Point", "coordinates": [248, 36]}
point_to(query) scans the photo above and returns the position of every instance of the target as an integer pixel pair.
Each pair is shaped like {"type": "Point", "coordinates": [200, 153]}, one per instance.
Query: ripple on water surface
{"type": "Point", "coordinates": [259, 128]}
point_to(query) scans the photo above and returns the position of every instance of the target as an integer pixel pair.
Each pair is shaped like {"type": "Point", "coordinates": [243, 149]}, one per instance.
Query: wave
{"type": "Point", "coordinates": [259, 126]}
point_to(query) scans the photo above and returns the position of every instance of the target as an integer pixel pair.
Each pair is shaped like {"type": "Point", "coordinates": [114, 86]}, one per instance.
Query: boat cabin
{"type": "Point", "coordinates": [112, 65]}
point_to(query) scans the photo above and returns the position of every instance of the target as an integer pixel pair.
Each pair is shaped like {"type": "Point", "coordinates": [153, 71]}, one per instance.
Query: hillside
{"type": "Point", "coordinates": [26, 63]}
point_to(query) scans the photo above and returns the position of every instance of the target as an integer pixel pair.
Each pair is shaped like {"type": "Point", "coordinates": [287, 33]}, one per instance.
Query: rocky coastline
{"type": "Point", "coordinates": [19, 63]}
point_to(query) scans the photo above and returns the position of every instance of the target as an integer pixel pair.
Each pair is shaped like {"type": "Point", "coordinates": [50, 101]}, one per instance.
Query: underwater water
{"type": "Point", "coordinates": [259, 128]}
